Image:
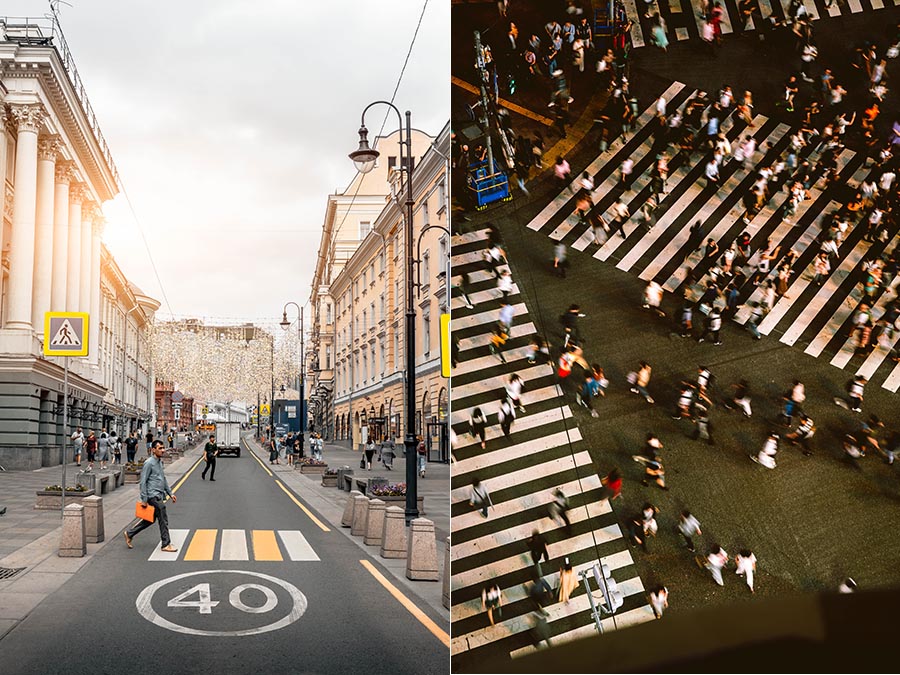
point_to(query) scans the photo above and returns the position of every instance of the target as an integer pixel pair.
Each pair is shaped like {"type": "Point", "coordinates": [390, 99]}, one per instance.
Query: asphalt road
{"type": "Point", "coordinates": [344, 620]}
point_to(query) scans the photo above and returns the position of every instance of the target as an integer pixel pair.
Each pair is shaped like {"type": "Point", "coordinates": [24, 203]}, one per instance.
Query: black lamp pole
{"type": "Point", "coordinates": [286, 324]}
{"type": "Point", "coordinates": [364, 158]}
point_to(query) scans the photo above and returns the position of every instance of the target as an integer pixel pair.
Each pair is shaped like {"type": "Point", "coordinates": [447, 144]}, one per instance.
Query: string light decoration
{"type": "Point", "coordinates": [227, 364]}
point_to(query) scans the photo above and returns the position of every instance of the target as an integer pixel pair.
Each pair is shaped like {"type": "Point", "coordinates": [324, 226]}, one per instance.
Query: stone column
{"type": "Point", "coordinates": [73, 271]}
{"type": "Point", "coordinates": [28, 120]}
{"type": "Point", "coordinates": [60, 238]}
{"type": "Point", "coordinates": [94, 322]}
{"type": "Point", "coordinates": [48, 148]}
{"type": "Point", "coordinates": [4, 120]}
{"type": "Point", "coordinates": [84, 259]}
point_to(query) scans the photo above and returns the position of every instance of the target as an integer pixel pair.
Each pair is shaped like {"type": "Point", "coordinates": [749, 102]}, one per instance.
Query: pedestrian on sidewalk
{"type": "Point", "coordinates": [688, 527]}
{"type": "Point", "coordinates": [388, 451]}
{"type": "Point", "coordinates": [131, 444]}
{"type": "Point", "coordinates": [659, 600]}
{"type": "Point", "coordinates": [91, 445]}
{"type": "Point", "coordinates": [116, 446]}
{"type": "Point", "coordinates": [103, 449]}
{"type": "Point", "coordinates": [480, 497]}
{"type": "Point", "coordinates": [273, 450]}
{"type": "Point", "coordinates": [477, 426]}
{"type": "Point", "coordinates": [210, 452]}
{"type": "Point", "coordinates": [153, 491]}
{"type": "Point", "coordinates": [715, 562]}
{"type": "Point", "coordinates": [78, 444]}
{"type": "Point", "coordinates": [370, 453]}
{"type": "Point", "coordinates": [746, 566]}
{"type": "Point", "coordinates": [422, 456]}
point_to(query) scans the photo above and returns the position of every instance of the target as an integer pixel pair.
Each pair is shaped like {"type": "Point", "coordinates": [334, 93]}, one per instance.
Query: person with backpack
{"type": "Point", "coordinates": [477, 426]}
{"type": "Point", "coordinates": [421, 452]}
{"type": "Point", "coordinates": [116, 445]}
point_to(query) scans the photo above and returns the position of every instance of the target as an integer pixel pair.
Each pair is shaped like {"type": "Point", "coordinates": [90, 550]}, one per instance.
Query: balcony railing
{"type": "Point", "coordinates": [46, 32]}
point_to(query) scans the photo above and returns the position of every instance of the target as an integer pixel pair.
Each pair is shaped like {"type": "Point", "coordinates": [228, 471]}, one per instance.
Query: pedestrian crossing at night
{"type": "Point", "coordinates": [237, 545]}
{"type": "Point", "coordinates": [545, 452]}
{"type": "Point", "coordinates": [684, 18]}
{"type": "Point", "coordinates": [817, 319]}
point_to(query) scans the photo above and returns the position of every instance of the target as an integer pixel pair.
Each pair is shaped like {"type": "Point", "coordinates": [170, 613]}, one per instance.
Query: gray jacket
{"type": "Point", "coordinates": [153, 481]}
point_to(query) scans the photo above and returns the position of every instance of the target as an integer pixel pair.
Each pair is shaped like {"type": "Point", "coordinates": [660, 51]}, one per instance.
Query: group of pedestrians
{"type": "Point", "coordinates": [106, 448]}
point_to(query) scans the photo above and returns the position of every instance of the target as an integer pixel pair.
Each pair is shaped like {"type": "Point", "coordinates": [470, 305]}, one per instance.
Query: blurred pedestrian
{"type": "Point", "coordinates": [746, 566]}
{"type": "Point", "coordinates": [689, 527]}
{"type": "Point", "coordinates": [659, 600]}
{"type": "Point", "coordinates": [480, 497]}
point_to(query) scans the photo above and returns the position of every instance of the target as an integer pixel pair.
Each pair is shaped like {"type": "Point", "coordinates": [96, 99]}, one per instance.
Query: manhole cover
{"type": "Point", "coordinates": [9, 572]}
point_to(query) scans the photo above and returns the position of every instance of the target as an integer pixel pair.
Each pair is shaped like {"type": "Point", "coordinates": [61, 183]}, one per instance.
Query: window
{"type": "Point", "coordinates": [365, 368]}
{"type": "Point", "coordinates": [442, 196]}
{"type": "Point", "coordinates": [398, 299]}
{"type": "Point", "coordinates": [327, 357]}
{"type": "Point", "coordinates": [381, 355]}
{"type": "Point", "coordinates": [375, 318]}
{"type": "Point", "coordinates": [381, 261]}
{"type": "Point", "coordinates": [364, 279]}
{"type": "Point", "coordinates": [364, 324]}
{"type": "Point", "coordinates": [426, 268]}
{"type": "Point", "coordinates": [365, 226]}
{"type": "Point", "coordinates": [374, 367]}
{"type": "Point", "coordinates": [328, 312]}
{"type": "Point", "coordinates": [392, 162]}
{"type": "Point", "coordinates": [426, 218]}
{"type": "Point", "coordinates": [382, 314]}
{"type": "Point", "coordinates": [396, 349]}
{"type": "Point", "coordinates": [426, 332]}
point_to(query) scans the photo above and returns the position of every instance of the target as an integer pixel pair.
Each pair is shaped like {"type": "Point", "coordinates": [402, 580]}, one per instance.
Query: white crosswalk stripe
{"type": "Point", "coordinates": [544, 452]}
{"type": "Point", "coordinates": [234, 545]}
{"type": "Point", "coordinates": [817, 320]}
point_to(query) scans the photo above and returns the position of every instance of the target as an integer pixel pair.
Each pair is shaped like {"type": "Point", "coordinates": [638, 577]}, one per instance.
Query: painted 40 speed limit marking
{"type": "Point", "coordinates": [200, 597]}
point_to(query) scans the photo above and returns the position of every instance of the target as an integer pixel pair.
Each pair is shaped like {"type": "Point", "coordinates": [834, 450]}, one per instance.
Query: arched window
{"type": "Point", "coordinates": [442, 404]}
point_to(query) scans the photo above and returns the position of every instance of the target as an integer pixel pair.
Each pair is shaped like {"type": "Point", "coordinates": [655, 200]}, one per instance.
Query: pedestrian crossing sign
{"type": "Point", "coordinates": [65, 334]}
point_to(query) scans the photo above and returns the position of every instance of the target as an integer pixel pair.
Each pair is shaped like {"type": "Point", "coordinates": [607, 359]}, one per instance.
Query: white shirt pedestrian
{"type": "Point", "coordinates": [746, 566]}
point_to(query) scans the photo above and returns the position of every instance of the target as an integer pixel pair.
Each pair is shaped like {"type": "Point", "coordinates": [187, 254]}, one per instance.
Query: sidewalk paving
{"type": "Point", "coordinates": [330, 502]}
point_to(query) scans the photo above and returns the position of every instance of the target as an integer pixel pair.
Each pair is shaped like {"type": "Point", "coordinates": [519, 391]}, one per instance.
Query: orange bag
{"type": "Point", "coordinates": [147, 513]}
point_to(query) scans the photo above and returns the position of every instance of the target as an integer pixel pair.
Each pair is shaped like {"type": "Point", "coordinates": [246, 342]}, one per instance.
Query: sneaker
{"type": "Point", "coordinates": [649, 400]}
{"type": "Point", "coordinates": [212, 480]}
{"type": "Point", "coordinates": [716, 344]}
{"type": "Point", "coordinates": [634, 391]}
{"type": "Point", "coordinates": [594, 413]}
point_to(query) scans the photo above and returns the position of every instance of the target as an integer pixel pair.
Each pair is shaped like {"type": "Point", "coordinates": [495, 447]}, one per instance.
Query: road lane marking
{"type": "Point", "coordinates": [408, 604]}
{"type": "Point", "coordinates": [265, 547]}
{"type": "Point", "coordinates": [297, 547]}
{"type": "Point", "coordinates": [253, 454]}
{"type": "Point", "coordinates": [177, 537]}
{"type": "Point", "coordinates": [185, 476]}
{"type": "Point", "coordinates": [509, 105]}
{"type": "Point", "coordinates": [234, 545]}
{"type": "Point", "coordinates": [203, 545]}
{"type": "Point", "coordinates": [322, 526]}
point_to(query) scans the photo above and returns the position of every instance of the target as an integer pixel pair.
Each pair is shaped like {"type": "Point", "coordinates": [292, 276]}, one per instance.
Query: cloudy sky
{"type": "Point", "coordinates": [230, 122]}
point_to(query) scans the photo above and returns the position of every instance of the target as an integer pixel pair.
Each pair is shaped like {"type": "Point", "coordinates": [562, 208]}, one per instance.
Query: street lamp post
{"type": "Point", "coordinates": [285, 324]}
{"type": "Point", "coordinates": [364, 158]}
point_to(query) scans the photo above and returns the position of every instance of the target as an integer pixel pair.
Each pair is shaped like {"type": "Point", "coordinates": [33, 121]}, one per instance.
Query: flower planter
{"type": "Point", "coordinates": [329, 480]}
{"type": "Point", "coordinates": [401, 501]}
{"type": "Point", "coordinates": [315, 470]}
{"type": "Point", "coordinates": [51, 500]}
{"type": "Point", "coordinates": [132, 477]}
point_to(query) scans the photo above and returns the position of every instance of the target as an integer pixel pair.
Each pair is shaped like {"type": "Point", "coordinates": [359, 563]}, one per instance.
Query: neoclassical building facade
{"type": "Point", "coordinates": [56, 172]}
{"type": "Point", "coordinates": [366, 305]}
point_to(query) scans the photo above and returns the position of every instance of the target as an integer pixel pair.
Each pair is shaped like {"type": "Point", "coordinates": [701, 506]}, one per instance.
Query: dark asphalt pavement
{"type": "Point", "coordinates": [350, 624]}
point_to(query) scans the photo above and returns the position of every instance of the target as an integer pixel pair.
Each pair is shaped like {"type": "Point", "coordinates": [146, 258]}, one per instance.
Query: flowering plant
{"type": "Point", "coordinates": [71, 488]}
{"type": "Point", "coordinates": [309, 461]}
{"type": "Point", "coordinates": [392, 490]}
{"type": "Point", "coordinates": [331, 472]}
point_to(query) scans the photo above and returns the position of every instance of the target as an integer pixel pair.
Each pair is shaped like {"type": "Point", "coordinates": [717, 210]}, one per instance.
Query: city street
{"type": "Point", "coordinates": [813, 520]}
{"type": "Point", "coordinates": [260, 580]}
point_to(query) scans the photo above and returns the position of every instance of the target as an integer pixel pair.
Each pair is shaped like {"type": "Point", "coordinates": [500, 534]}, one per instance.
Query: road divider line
{"type": "Point", "coordinates": [322, 526]}
{"type": "Point", "coordinates": [253, 454]}
{"type": "Point", "coordinates": [202, 546]}
{"type": "Point", "coordinates": [185, 476]}
{"type": "Point", "coordinates": [408, 604]}
{"type": "Point", "coordinates": [265, 547]}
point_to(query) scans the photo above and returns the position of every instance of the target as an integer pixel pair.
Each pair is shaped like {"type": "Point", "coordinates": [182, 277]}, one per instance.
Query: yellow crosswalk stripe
{"type": "Point", "coordinates": [203, 545]}
{"type": "Point", "coordinates": [265, 546]}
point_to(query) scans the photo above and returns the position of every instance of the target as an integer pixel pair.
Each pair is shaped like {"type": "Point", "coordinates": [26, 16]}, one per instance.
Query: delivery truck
{"type": "Point", "coordinates": [228, 438]}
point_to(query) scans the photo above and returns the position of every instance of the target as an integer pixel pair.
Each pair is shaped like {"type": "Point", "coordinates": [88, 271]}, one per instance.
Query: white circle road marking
{"type": "Point", "coordinates": [145, 608]}
{"type": "Point", "coordinates": [235, 599]}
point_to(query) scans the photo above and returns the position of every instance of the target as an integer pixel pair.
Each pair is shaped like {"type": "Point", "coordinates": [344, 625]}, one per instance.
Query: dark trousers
{"type": "Point", "coordinates": [687, 540]}
{"type": "Point", "coordinates": [159, 511]}
{"type": "Point", "coordinates": [129, 454]}
{"type": "Point", "coordinates": [211, 467]}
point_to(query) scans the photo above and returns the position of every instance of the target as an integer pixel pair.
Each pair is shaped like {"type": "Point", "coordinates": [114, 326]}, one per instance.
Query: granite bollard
{"type": "Point", "coordinates": [393, 537]}
{"type": "Point", "coordinates": [72, 543]}
{"type": "Point", "coordinates": [93, 519]}
{"type": "Point", "coordinates": [421, 551]}
{"type": "Point", "coordinates": [347, 518]}
{"type": "Point", "coordinates": [374, 523]}
{"type": "Point", "coordinates": [360, 509]}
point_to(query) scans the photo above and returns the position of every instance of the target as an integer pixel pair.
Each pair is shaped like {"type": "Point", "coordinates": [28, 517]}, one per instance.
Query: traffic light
{"type": "Point", "coordinates": [612, 596]}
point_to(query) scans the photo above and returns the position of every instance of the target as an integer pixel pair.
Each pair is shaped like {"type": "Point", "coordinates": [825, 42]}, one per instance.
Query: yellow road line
{"type": "Point", "coordinates": [253, 454]}
{"type": "Point", "coordinates": [509, 105]}
{"type": "Point", "coordinates": [185, 476]}
{"type": "Point", "coordinates": [408, 604]}
{"type": "Point", "coordinates": [203, 545]}
{"type": "Point", "coordinates": [318, 522]}
{"type": "Point", "coordinates": [265, 547]}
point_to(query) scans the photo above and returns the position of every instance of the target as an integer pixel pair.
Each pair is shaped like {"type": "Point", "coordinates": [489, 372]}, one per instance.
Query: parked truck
{"type": "Point", "coordinates": [228, 438]}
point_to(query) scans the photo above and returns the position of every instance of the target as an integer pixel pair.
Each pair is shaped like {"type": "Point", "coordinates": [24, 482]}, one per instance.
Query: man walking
{"type": "Point", "coordinates": [688, 527]}
{"type": "Point", "coordinates": [131, 447]}
{"type": "Point", "coordinates": [78, 443]}
{"type": "Point", "coordinates": [154, 489]}
{"type": "Point", "coordinates": [210, 452]}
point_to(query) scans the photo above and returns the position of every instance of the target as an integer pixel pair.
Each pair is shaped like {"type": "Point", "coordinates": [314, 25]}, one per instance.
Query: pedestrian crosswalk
{"type": "Point", "coordinates": [818, 319]}
{"type": "Point", "coordinates": [545, 451]}
{"type": "Point", "coordinates": [237, 545]}
{"type": "Point", "coordinates": [684, 18]}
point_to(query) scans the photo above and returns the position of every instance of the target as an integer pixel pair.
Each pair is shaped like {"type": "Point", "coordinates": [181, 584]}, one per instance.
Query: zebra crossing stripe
{"type": "Point", "coordinates": [892, 383]}
{"type": "Point", "coordinates": [491, 385]}
{"type": "Point", "coordinates": [486, 318]}
{"type": "Point", "coordinates": [855, 6]}
{"type": "Point", "coordinates": [875, 359]}
{"type": "Point", "coordinates": [877, 4]}
{"type": "Point", "coordinates": [632, 617]}
{"type": "Point", "coordinates": [203, 545]}
{"type": "Point", "coordinates": [602, 160]}
{"type": "Point", "coordinates": [491, 458]}
{"type": "Point", "coordinates": [480, 297]}
{"type": "Point", "coordinates": [637, 34]}
{"type": "Point", "coordinates": [833, 325]}
{"type": "Point", "coordinates": [234, 545]}
{"type": "Point", "coordinates": [476, 365]}
{"type": "Point", "coordinates": [522, 623]}
{"type": "Point", "coordinates": [177, 539]}
{"type": "Point", "coordinates": [518, 533]}
{"type": "Point", "coordinates": [541, 498]}
{"type": "Point", "coordinates": [484, 339]}
{"type": "Point", "coordinates": [265, 547]}
{"type": "Point", "coordinates": [470, 608]}
{"type": "Point", "coordinates": [534, 396]}
{"type": "Point", "coordinates": [523, 423]}
{"type": "Point", "coordinates": [298, 549]}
